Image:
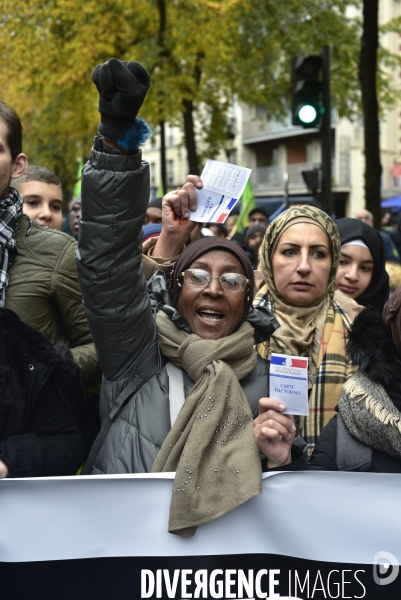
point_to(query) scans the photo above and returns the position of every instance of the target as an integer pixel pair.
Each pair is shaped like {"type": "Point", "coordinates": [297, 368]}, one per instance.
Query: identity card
{"type": "Point", "coordinates": [289, 382]}
{"type": "Point", "coordinates": [223, 185]}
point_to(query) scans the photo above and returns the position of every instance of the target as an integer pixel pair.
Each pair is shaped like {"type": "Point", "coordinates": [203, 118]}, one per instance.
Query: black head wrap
{"type": "Point", "coordinates": [378, 290]}
{"type": "Point", "coordinates": [254, 229]}
{"type": "Point", "coordinates": [156, 203]}
{"type": "Point", "coordinates": [208, 244]}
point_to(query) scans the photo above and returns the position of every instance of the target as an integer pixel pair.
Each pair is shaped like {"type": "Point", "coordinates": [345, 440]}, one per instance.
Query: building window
{"type": "Point", "coordinates": [260, 110]}
{"type": "Point", "coordinates": [232, 156]}
{"type": "Point", "coordinates": [170, 172]}
{"type": "Point", "coordinates": [153, 174]}
{"type": "Point", "coordinates": [296, 152]}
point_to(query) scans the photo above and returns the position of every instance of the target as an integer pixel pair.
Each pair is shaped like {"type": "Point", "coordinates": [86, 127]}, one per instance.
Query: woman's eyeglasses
{"type": "Point", "coordinates": [198, 278]}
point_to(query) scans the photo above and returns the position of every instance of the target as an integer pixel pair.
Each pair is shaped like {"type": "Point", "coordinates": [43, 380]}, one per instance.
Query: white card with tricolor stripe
{"type": "Point", "coordinates": [223, 185]}
{"type": "Point", "coordinates": [289, 382]}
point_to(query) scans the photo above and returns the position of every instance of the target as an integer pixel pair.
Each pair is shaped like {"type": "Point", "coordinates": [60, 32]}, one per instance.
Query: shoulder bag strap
{"type": "Point", "coordinates": [145, 369]}
{"type": "Point", "coordinates": [176, 393]}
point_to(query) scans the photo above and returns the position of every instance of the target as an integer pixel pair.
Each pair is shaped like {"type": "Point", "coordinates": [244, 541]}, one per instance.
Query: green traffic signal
{"type": "Point", "coordinates": [307, 114]}
{"type": "Point", "coordinates": [306, 90]}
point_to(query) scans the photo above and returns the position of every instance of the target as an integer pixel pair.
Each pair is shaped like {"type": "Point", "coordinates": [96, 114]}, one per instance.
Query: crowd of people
{"type": "Point", "coordinates": [177, 322]}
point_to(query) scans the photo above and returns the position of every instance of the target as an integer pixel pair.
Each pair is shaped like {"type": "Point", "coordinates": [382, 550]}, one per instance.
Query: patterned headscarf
{"type": "Point", "coordinates": [301, 326]}
{"type": "Point", "coordinates": [302, 214]}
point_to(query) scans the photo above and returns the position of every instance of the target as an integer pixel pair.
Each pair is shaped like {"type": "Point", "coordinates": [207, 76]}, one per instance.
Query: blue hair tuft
{"type": "Point", "coordinates": [136, 136]}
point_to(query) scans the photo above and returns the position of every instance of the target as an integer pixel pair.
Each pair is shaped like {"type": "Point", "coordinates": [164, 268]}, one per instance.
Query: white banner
{"type": "Point", "coordinates": [321, 516]}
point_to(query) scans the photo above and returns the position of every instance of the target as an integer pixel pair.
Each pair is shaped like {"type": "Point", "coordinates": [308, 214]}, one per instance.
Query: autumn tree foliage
{"type": "Point", "coordinates": [210, 52]}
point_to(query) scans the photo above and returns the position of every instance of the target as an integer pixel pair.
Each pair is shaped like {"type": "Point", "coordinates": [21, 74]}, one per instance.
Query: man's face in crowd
{"type": "Point", "coordinates": [258, 218]}
{"type": "Point", "coordinates": [364, 215]}
{"type": "Point", "coordinates": [75, 213]}
{"type": "Point", "coordinates": [43, 202]}
{"type": "Point", "coordinates": [9, 169]}
{"type": "Point", "coordinates": [153, 215]}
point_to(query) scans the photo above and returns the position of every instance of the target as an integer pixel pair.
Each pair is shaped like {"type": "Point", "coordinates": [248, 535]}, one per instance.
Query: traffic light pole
{"type": "Point", "coordinates": [327, 202]}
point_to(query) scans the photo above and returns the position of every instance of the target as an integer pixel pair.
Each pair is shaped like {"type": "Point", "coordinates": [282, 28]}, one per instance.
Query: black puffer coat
{"type": "Point", "coordinates": [41, 392]}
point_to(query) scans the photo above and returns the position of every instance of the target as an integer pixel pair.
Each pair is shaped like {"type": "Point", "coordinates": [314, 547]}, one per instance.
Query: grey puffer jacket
{"type": "Point", "coordinates": [115, 193]}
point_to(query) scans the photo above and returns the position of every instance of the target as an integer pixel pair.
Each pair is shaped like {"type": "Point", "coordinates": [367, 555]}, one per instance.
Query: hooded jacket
{"type": "Point", "coordinates": [41, 395]}
{"type": "Point", "coordinates": [120, 309]}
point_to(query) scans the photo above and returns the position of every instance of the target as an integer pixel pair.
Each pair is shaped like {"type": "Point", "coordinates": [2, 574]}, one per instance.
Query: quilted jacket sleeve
{"type": "Point", "coordinates": [115, 194]}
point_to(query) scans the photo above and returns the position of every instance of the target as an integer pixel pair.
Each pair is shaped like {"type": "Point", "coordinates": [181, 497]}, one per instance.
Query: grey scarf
{"type": "Point", "coordinates": [370, 416]}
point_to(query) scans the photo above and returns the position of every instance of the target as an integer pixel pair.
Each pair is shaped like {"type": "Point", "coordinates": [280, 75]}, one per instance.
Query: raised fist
{"type": "Point", "coordinates": [122, 88]}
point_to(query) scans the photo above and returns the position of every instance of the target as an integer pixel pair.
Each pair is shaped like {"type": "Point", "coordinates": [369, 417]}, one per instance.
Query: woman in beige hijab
{"type": "Point", "coordinates": [299, 261]}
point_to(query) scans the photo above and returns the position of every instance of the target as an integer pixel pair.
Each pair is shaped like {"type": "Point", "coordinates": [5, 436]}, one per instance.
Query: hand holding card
{"type": "Point", "coordinates": [223, 185]}
{"type": "Point", "coordinates": [274, 432]}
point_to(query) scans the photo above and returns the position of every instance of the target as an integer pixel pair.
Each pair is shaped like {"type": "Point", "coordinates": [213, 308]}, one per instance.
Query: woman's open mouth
{"type": "Point", "coordinates": [209, 315]}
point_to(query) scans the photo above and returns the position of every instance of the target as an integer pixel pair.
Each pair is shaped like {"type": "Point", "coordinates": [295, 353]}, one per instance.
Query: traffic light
{"type": "Point", "coordinates": [306, 90]}
{"type": "Point", "coordinates": [312, 180]}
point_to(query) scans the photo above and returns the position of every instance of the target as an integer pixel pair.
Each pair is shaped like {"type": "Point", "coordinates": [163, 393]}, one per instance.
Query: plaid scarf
{"type": "Point", "coordinates": [10, 212]}
{"type": "Point", "coordinates": [333, 370]}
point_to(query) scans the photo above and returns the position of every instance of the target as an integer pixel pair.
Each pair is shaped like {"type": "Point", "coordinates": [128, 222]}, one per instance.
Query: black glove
{"type": "Point", "coordinates": [122, 88]}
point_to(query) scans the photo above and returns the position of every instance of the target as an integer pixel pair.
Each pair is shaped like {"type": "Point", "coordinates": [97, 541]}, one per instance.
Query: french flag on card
{"type": "Point", "coordinates": [222, 217]}
{"type": "Point", "coordinates": [289, 361]}
{"type": "Point", "coordinates": [227, 210]}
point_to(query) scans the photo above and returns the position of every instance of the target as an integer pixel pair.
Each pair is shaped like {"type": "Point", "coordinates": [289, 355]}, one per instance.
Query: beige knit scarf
{"type": "Point", "coordinates": [210, 445]}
